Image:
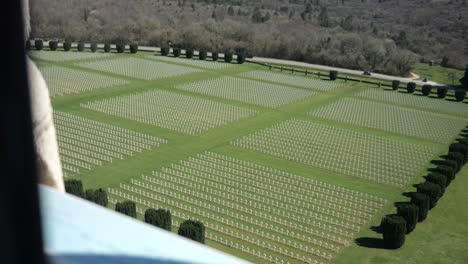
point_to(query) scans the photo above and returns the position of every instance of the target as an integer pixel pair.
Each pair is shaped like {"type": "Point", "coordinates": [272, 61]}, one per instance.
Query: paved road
{"type": "Point", "coordinates": [341, 70]}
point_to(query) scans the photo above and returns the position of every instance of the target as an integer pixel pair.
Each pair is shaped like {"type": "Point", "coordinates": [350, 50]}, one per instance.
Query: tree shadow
{"type": "Point", "coordinates": [409, 194]}
{"type": "Point", "coordinates": [377, 229]}
{"type": "Point", "coordinates": [370, 242]}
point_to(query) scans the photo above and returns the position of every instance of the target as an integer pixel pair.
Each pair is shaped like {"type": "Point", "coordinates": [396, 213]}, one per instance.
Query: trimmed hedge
{"type": "Point", "coordinates": [214, 56]}
{"type": "Point", "coordinates": [120, 47]}
{"type": "Point", "coordinates": [107, 47]}
{"type": "Point", "coordinates": [38, 44]}
{"type": "Point", "coordinates": [422, 201]}
{"type": "Point", "coordinates": [410, 213]}
{"type": "Point", "coordinates": [432, 190]}
{"type": "Point", "coordinates": [53, 45]}
{"type": "Point", "coordinates": [98, 196]}
{"type": "Point", "coordinates": [448, 172]}
{"type": "Point", "coordinates": [74, 187]}
{"type": "Point", "coordinates": [80, 46]}
{"type": "Point", "coordinates": [193, 230]}
{"type": "Point", "coordinates": [393, 231]}
{"type": "Point", "coordinates": [460, 148]}
{"type": "Point", "coordinates": [133, 48]}
{"type": "Point", "coordinates": [460, 94]}
{"type": "Point", "coordinates": [202, 54]}
{"type": "Point", "coordinates": [240, 58]}
{"type": "Point", "coordinates": [426, 89]}
{"type": "Point", "coordinates": [126, 208]}
{"type": "Point", "coordinates": [438, 179]}
{"type": "Point", "coordinates": [67, 45]}
{"type": "Point", "coordinates": [189, 53]}
{"type": "Point", "coordinates": [442, 92]}
{"type": "Point", "coordinates": [93, 47]}
{"type": "Point", "coordinates": [333, 75]}
{"type": "Point", "coordinates": [228, 57]}
{"type": "Point", "coordinates": [160, 218]}
{"type": "Point", "coordinates": [164, 51]}
{"type": "Point", "coordinates": [411, 87]}
{"type": "Point", "coordinates": [395, 85]}
{"type": "Point", "coordinates": [176, 52]}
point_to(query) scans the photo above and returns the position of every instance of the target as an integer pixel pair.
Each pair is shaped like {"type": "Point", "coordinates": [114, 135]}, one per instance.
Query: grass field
{"type": "Point", "coordinates": [257, 204]}
{"type": "Point", "coordinates": [438, 73]}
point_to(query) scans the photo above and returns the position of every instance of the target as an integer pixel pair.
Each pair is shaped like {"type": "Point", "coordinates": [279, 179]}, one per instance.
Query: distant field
{"type": "Point", "coordinates": [280, 168]}
{"type": "Point", "coordinates": [438, 73]}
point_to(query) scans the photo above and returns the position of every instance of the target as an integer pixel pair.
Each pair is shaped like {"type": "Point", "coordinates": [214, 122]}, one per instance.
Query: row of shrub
{"type": "Point", "coordinates": [98, 196]}
{"type": "Point", "coordinates": [426, 90]}
{"type": "Point", "coordinates": [194, 230]}
{"type": "Point", "coordinates": [203, 54]}
{"type": "Point", "coordinates": [161, 218]}
{"type": "Point", "coordinates": [394, 227]}
{"type": "Point", "coordinates": [67, 45]}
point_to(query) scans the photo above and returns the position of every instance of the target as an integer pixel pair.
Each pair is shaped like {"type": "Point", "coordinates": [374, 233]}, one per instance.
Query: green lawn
{"type": "Point", "coordinates": [423, 243]}
{"type": "Point", "coordinates": [438, 73]}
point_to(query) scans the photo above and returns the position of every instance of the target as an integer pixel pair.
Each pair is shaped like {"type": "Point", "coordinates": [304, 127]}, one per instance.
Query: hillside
{"type": "Point", "coordinates": [386, 36]}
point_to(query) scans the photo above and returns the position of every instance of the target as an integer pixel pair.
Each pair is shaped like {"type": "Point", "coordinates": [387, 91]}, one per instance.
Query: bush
{"type": "Point", "coordinates": [333, 75]}
{"type": "Point", "coordinates": [458, 157]}
{"type": "Point", "coordinates": [460, 148]}
{"type": "Point", "coordinates": [98, 196]}
{"type": "Point", "coordinates": [240, 58]}
{"type": "Point", "coordinates": [442, 92]}
{"type": "Point", "coordinates": [426, 89]}
{"type": "Point", "coordinates": [214, 56]}
{"type": "Point", "coordinates": [80, 46]}
{"type": "Point", "coordinates": [74, 187]}
{"type": "Point", "coordinates": [411, 87]}
{"type": "Point", "coordinates": [410, 213]}
{"type": "Point", "coordinates": [126, 208]}
{"type": "Point", "coordinates": [160, 218]}
{"type": "Point", "coordinates": [438, 179]}
{"type": "Point", "coordinates": [67, 45]}
{"type": "Point", "coordinates": [133, 48]}
{"type": "Point", "coordinates": [422, 201]}
{"type": "Point", "coordinates": [448, 172]}
{"type": "Point", "coordinates": [120, 47]}
{"type": "Point", "coordinates": [393, 231]}
{"type": "Point", "coordinates": [107, 47]}
{"type": "Point", "coordinates": [432, 190]}
{"type": "Point", "coordinates": [176, 52]}
{"type": "Point", "coordinates": [53, 45]}
{"type": "Point", "coordinates": [38, 44]}
{"type": "Point", "coordinates": [202, 54]}
{"type": "Point", "coordinates": [395, 85]}
{"type": "Point", "coordinates": [450, 163]}
{"type": "Point", "coordinates": [164, 51]}
{"type": "Point", "coordinates": [460, 94]}
{"type": "Point", "coordinates": [93, 47]}
{"type": "Point", "coordinates": [228, 57]}
{"type": "Point", "coordinates": [27, 46]}
{"type": "Point", "coordinates": [189, 53]}
{"type": "Point", "coordinates": [194, 230]}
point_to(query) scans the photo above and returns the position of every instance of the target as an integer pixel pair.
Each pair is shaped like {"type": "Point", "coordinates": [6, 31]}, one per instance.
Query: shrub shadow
{"type": "Point", "coordinates": [370, 242]}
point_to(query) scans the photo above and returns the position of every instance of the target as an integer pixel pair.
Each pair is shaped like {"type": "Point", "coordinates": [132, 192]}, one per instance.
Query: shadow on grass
{"type": "Point", "coordinates": [377, 229]}
{"type": "Point", "coordinates": [370, 242]}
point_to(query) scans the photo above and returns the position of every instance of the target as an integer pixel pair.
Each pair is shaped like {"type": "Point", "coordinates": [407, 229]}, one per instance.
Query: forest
{"type": "Point", "coordinates": [387, 36]}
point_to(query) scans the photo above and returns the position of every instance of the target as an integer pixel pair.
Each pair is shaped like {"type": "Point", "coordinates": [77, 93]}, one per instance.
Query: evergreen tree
{"type": "Point", "coordinates": [426, 89]}
{"type": "Point", "coordinates": [324, 20]}
{"type": "Point", "coordinates": [395, 85]}
{"type": "Point", "coordinates": [164, 51]}
{"type": "Point", "coordinates": [448, 172]}
{"type": "Point", "coordinates": [422, 201]}
{"type": "Point", "coordinates": [410, 213]}
{"type": "Point", "coordinates": [432, 190]}
{"type": "Point", "coordinates": [438, 179]}
{"type": "Point", "coordinates": [67, 45]}
{"type": "Point", "coordinates": [464, 79]}
{"type": "Point", "coordinates": [38, 44]}
{"type": "Point", "coordinates": [240, 58]}
{"type": "Point", "coordinates": [442, 92]}
{"type": "Point", "coordinates": [214, 56]}
{"type": "Point", "coordinates": [98, 196]}
{"type": "Point", "coordinates": [460, 148]}
{"type": "Point", "coordinates": [176, 52]}
{"type": "Point", "coordinates": [228, 57]}
{"type": "Point", "coordinates": [74, 187]}
{"type": "Point", "coordinates": [80, 46]}
{"type": "Point", "coordinates": [126, 208]}
{"type": "Point", "coordinates": [393, 231]}
{"type": "Point", "coordinates": [194, 230]}
{"type": "Point", "coordinates": [411, 87]}
{"type": "Point", "coordinates": [189, 53]}
{"type": "Point", "coordinates": [460, 94]}
{"type": "Point", "coordinates": [107, 47]}
{"type": "Point", "coordinates": [202, 54]}
{"type": "Point", "coordinates": [459, 158]}
{"type": "Point", "coordinates": [333, 75]}
{"type": "Point", "coordinates": [160, 218]}
{"type": "Point", "coordinates": [133, 48]}
{"type": "Point", "coordinates": [53, 45]}
{"type": "Point", "coordinates": [93, 47]}
{"type": "Point", "coordinates": [120, 47]}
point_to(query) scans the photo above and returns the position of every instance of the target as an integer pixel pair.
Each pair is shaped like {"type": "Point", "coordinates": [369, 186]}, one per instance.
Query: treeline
{"type": "Point", "coordinates": [396, 226]}
{"type": "Point", "coordinates": [162, 218]}
{"type": "Point", "coordinates": [380, 36]}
